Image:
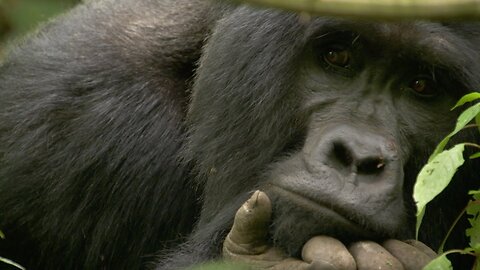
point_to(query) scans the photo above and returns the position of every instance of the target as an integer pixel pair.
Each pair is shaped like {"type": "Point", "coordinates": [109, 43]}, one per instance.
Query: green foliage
{"type": "Point", "coordinates": [437, 174]}
{"type": "Point", "coordinates": [466, 117]}
{"type": "Point", "coordinates": [467, 98]}
{"type": "Point", "coordinates": [477, 121]}
{"type": "Point", "coordinates": [476, 155]}
{"type": "Point", "coordinates": [435, 177]}
{"type": "Point", "coordinates": [440, 263]}
{"type": "Point", "coordinates": [12, 263]}
{"type": "Point", "coordinates": [473, 210]}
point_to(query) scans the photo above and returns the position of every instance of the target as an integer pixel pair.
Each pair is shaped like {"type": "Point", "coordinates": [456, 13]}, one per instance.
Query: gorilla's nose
{"type": "Point", "coordinates": [352, 150]}
{"type": "Point", "coordinates": [355, 157]}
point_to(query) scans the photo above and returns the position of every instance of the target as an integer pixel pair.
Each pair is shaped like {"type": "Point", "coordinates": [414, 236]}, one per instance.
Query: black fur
{"type": "Point", "coordinates": [128, 127]}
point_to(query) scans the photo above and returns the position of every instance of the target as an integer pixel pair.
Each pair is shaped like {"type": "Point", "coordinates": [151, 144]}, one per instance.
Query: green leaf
{"type": "Point", "coordinates": [467, 98]}
{"type": "Point", "coordinates": [477, 121]}
{"type": "Point", "coordinates": [473, 210]}
{"type": "Point", "coordinates": [440, 147]}
{"type": "Point", "coordinates": [476, 155]}
{"type": "Point", "coordinates": [2, 235]}
{"type": "Point", "coordinates": [439, 263]}
{"type": "Point", "coordinates": [434, 177]}
{"type": "Point", "coordinates": [420, 214]}
{"type": "Point", "coordinates": [464, 118]}
{"type": "Point", "coordinates": [12, 263]}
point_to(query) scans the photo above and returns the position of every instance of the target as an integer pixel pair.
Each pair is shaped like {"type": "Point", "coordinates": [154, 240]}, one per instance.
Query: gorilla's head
{"type": "Point", "coordinates": [332, 118]}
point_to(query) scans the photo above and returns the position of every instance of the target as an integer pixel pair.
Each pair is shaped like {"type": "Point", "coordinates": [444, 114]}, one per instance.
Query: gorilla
{"type": "Point", "coordinates": [131, 132]}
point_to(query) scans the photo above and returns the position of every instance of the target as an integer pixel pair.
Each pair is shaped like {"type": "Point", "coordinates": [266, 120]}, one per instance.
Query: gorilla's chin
{"type": "Point", "coordinates": [296, 219]}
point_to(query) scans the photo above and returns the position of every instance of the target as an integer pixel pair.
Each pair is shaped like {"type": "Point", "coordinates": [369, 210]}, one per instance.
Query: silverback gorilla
{"type": "Point", "coordinates": [131, 131]}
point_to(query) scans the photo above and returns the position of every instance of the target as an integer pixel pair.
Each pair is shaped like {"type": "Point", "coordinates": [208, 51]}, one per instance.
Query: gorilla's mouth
{"type": "Point", "coordinates": [308, 203]}
{"type": "Point", "coordinates": [306, 217]}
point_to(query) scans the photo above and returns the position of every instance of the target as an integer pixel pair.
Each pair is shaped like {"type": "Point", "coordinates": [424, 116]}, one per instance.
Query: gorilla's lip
{"type": "Point", "coordinates": [353, 227]}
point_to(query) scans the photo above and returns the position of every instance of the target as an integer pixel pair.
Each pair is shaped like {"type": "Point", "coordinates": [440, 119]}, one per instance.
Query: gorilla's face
{"type": "Point", "coordinates": [331, 118]}
{"type": "Point", "coordinates": [374, 96]}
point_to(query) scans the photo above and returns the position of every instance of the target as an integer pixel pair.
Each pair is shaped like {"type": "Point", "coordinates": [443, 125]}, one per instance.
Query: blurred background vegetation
{"type": "Point", "coordinates": [20, 16]}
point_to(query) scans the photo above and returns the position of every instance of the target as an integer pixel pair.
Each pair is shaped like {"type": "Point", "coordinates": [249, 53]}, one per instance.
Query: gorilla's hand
{"type": "Point", "coordinates": [247, 243]}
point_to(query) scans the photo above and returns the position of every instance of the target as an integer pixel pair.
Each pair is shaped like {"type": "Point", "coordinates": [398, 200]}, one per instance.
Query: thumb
{"type": "Point", "coordinates": [250, 226]}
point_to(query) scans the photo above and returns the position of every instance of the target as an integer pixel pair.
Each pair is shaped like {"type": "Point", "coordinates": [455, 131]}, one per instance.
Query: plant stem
{"type": "Point", "coordinates": [442, 245]}
{"type": "Point", "coordinates": [472, 145]}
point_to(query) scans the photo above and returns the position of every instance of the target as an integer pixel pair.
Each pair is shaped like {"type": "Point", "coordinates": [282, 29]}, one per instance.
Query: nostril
{"type": "Point", "coordinates": [342, 154]}
{"type": "Point", "coordinates": [370, 165]}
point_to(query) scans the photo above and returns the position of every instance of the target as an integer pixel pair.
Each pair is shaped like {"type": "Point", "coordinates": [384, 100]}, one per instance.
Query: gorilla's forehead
{"type": "Point", "coordinates": [388, 31]}
{"type": "Point", "coordinates": [432, 42]}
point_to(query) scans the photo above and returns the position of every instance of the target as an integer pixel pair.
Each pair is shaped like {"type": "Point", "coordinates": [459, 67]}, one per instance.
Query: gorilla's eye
{"type": "Point", "coordinates": [423, 87]}
{"type": "Point", "coordinates": [337, 57]}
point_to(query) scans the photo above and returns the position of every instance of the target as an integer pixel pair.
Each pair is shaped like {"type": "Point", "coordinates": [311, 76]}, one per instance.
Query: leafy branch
{"type": "Point", "coordinates": [436, 175]}
{"type": "Point", "coordinates": [381, 9]}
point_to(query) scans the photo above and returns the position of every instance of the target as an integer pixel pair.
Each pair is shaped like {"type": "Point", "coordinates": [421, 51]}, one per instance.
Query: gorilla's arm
{"type": "Point", "coordinates": [247, 243]}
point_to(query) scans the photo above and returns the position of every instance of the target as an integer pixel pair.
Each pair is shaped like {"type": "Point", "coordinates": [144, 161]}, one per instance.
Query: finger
{"type": "Point", "coordinates": [370, 255]}
{"type": "Point", "coordinates": [325, 252]}
{"type": "Point", "coordinates": [250, 226]}
{"type": "Point", "coordinates": [272, 259]}
{"type": "Point", "coordinates": [422, 247]}
{"type": "Point", "coordinates": [246, 241]}
{"type": "Point", "coordinates": [267, 261]}
{"type": "Point", "coordinates": [411, 257]}
{"type": "Point", "coordinates": [252, 220]}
